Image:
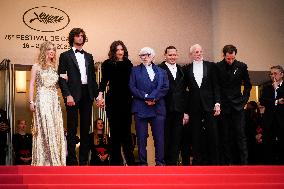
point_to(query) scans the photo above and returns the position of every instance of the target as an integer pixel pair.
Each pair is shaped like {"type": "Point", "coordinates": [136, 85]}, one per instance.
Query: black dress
{"type": "Point", "coordinates": [118, 108]}
{"type": "Point", "coordinates": [101, 147]}
{"type": "Point", "coordinates": [22, 147]}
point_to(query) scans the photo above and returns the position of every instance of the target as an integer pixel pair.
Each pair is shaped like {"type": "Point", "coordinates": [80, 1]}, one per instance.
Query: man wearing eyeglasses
{"type": "Point", "coordinates": [272, 98]}
{"type": "Point", "coordinates": [149, 85]}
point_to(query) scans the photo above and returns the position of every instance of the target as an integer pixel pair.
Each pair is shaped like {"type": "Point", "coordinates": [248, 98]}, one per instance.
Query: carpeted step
{"type": "Point", "coordinates": [167, 177]}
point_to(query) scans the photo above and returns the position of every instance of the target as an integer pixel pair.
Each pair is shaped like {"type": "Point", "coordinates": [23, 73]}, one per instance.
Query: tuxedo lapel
{"type": "Point", "coordinates": [191, 75]}
{"type": "Point", "coordinates": [171, 77]}
{"type": "Point", "coordinates": [145, 75]}
{"type": "Point", "coordinates": [280, 91]}
{"type": "Point", "coordinates": [156, 73]}
{"type": "Point", "coordinates": [180, 75]}
{"type": "Point", "coordinates": [205, 71]}
{"type": "Point", "coordinates": [73, 57]}
{"type": "Point", "coordinates": [226, 74]}
{"type": "Point", "coordinates": [235, 70]}
{"type": "Point", "coordinates": [87, 61]}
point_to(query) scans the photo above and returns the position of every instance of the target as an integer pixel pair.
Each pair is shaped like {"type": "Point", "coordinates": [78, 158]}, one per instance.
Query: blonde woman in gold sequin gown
{"type": "Point", "coordinates": [48, 140]}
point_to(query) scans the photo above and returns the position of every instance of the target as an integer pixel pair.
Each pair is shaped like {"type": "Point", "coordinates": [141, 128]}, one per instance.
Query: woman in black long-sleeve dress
{"type": "Point", "coordinates": [115, 74]}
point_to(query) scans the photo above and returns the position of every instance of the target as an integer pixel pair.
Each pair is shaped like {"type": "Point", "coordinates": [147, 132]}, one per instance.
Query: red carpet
{"type": "Point", "coordinates": [193, 177]}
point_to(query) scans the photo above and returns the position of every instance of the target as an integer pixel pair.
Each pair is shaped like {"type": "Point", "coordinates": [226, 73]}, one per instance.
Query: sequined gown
{"type": "Point", "coordinates": [48, 141]}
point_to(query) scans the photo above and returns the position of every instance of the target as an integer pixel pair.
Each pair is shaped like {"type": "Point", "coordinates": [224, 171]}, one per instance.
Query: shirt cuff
{"type": "Point", "coordinates": [217, 104]}
{"type": "Point", "coordinates": [276, 102]}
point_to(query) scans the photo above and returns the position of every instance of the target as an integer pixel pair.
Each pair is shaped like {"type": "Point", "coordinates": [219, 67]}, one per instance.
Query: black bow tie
{"type": "Point", "coordinates": [80, 51]}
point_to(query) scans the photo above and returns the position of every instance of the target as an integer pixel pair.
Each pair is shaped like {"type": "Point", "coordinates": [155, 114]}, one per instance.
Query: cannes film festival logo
{"type": "Point", "coordinates": [46, 19]}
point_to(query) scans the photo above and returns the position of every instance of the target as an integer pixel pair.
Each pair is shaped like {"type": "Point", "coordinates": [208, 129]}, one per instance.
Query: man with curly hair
{"type": "Point", "coordinates": [79, 87]}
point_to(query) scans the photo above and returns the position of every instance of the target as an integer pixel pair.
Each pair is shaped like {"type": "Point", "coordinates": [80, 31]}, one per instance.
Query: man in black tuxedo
{"type": "Point", "coordinates": [203, 106]}
{"type": "Point", "coordinates": [175, 106]}
{"type": "Point", "coordinates": [79, 87]}
{"type": "Point", "coordinates": [272, 98]}
{"type": "Point", "coordinates": [232, 75]}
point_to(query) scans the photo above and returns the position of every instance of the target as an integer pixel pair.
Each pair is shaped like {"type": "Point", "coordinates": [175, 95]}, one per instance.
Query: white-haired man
{"type": "Point", "coordinates": [149, 84]}
{"type": "Point", "coordinates": [203, 106]}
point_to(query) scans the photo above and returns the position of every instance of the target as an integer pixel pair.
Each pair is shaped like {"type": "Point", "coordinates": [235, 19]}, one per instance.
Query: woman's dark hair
{"type": "Point", "coordinates": [96, 122]}
{"type": "Point", "coordinates": [112, 50]}
{"type": "Point", "coordinates": [96, 138]}
{"type": "Point", "coordinates": [170, 47]}
{"type": "Point", "coordinates": [229, 49]}
{"type": "Point", "coordinates": [73, 33]}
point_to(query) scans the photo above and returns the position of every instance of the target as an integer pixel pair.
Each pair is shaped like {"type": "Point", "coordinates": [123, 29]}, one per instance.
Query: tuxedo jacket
{"type": "Point", "coordinates": [205, 97]}
{"type": "Point", "coordinates": [231, 78]}
{"type": "Point", "coordinates": [140, 85]}
{"type": "Point", "coordinates": [68, 64]}
{"type": "Point", "coordinates": [267, 99]}
{"type": "Point", "coordinates": [176, 98]}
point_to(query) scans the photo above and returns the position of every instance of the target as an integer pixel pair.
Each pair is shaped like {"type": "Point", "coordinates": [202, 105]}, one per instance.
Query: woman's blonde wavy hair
{"type": "Point", "coordinates": [42, 55]}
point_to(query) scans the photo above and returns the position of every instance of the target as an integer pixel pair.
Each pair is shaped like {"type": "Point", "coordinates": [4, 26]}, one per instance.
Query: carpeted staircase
{"type": "Point", "coordinates": [175, 177]}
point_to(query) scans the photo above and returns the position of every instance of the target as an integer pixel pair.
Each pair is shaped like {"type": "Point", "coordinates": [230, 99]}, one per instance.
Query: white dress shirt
{"type": "Point", "coordinates": [277, 88]}
{"type": "Point", "coordinates": [173, 69]}
{"type": "Point", "coordinates": [150, 71]}
{"type": "Point", "coordinates": [80, 57]}
{"type": "Point", "coordinates": [198, 72]}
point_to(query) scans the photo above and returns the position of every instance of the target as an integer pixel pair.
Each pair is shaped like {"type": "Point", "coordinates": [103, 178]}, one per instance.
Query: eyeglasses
{"type": "Point", "coordinates": [274, 73]}
{"type": "Point", "coordinates": [144, 55]}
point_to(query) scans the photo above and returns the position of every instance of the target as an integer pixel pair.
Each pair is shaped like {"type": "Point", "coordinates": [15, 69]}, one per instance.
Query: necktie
{"type": "Point", "coordinates": [80, 51]}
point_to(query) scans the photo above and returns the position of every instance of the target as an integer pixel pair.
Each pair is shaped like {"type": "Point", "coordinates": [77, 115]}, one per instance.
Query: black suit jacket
{"type": "Point", "coordinates": [69, 64]}
{"type": "Point", "coordinates": [231, 78]}
{"type": "Point", "coordinates": [205, 97]}
{"type": "Point", "coordinates": [176, 98]}
{"type": "Point", "coordinates": [267, 99]}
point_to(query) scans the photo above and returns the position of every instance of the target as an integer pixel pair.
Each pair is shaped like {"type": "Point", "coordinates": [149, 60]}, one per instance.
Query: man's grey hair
{"type": "Point", "coordinates": [278, 67]}
{"type": "Point", "coordinates": [147, 50]}
{"type": "Point", "coordinates": [193, 47]}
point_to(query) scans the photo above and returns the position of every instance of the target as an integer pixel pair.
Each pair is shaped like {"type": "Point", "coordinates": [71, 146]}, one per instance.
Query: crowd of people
{"type": "Point", "coordinates": [197, 109]}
